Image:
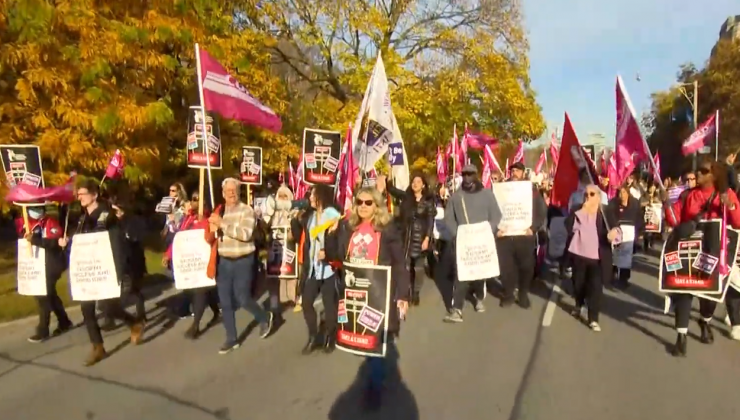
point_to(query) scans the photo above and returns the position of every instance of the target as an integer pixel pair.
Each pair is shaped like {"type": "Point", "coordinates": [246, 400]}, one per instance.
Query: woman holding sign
{"type": "Point", "coordinates": [627, 211]}
{"type": "Point", "coordinates": [704, 202]}
{"type": "Point", "coordinates": [369, 239]}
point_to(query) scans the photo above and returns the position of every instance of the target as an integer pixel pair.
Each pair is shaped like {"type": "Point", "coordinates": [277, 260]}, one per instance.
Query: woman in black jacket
{"type": "Point", "coordinates": [627, 212]}
{"type": "Point", "coordinates": [416, 220]}
{"type": "Point", "coordinates": [370, 238]}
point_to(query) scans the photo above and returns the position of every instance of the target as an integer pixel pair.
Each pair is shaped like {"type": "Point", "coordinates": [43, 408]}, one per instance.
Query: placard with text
{"type": "Point", "coordinates": [190, 256]}
{"type": "Point", "coordinates": [282, 258]}
{"type": "Point", "coordinates": [515, 203]}
{"type": "Point", "coordinates": [92, 269]}
{"type": "Point", "coordinates": [250, 167]}
{"type": "Point", "coordinates": [203, 134]}
{"type": "Point", "coordinates": [31, 271]}
{"type": "Point", "coordinates": [321, 150]}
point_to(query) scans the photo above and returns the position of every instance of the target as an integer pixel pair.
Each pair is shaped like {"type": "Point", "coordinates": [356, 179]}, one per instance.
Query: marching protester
{"type": "Point", "coordinates": [318, 276]}
{"type": "Point", "coordinates": [626, 210]}
{"type": "Point", "coordinates": [703, 202]}
{"type": "Point", "coordinates": [470, 204]}
{"type": "Point", "coordinates": [233, 227]}
{"type": "Point", "coordinates": [44, 232]}
{"type": "Point", "coordinates": [417, 214]}
{"type": "Point", "coordinates": [283, 290]}
{"type": "Point", "coordinates": [591, 232]}
{"type": "Point", "coordinates": [97, 216]}
{"type": "Point", "coordinates": [442, 263]}
{"type": "Point", "coordinates": [202, 296]}
{"type": "Point", "coordinates": [653, 199]}
{"type": "Point", "coordinates": [370, 238]}
{"type": "Point", "coordinates": [517, 250]}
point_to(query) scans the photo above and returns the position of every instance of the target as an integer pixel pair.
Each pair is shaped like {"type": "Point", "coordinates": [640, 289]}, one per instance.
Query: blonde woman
{"type": "Point", "coordinates": [369, 237]}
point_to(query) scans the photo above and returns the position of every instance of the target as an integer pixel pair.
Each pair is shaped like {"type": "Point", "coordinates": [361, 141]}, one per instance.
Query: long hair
{"type": "Point", "coordinates": [182, 194]}
{"type": "Point", "coordinates": [381, 218]}
{"type": "Point", "coordinates": [721, 179]}
{"type": "Point", "coordinates": [324, 195]}
{"type": "Point", "coordinates": [424, 187]}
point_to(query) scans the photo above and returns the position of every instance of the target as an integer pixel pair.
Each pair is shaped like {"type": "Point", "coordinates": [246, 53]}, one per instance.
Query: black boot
{"type": "Point", "coordinates": [331, 344]}
{"type": "Point", "coordinates": [415, 300]}
{"type": "Point", "coordinates": [679, 349]}
{"type": "Point", "coordinates": [707, 336]}
{"type": "Point", "coordinates": [310, 346]}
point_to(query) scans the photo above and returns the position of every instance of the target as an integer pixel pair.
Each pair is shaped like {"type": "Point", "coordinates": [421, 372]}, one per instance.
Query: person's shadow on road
{"type": "Point", "coordinates": [398, 402]}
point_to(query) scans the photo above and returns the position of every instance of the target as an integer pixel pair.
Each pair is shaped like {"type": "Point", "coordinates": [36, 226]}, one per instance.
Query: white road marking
{"type": "Point", "coordinates": [552, 303]}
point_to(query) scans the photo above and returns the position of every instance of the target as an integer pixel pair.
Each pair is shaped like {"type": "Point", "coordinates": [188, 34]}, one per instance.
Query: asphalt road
{"type": "Point", "coordinates": [501, 364]}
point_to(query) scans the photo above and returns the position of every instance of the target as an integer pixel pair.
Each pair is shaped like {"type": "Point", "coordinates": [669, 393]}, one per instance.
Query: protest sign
{"type": "Point", "coordinates": [92, 269]}
{"type": "Point", "coordinates": [190, 256]}
{"type": "Point", "coordinates": [250, 168]}
{"type": "Point", "coordinates": [202, 133]}
{"type": "Point", "coordinates": [321, 151]}
{"type": "Point", "coordinates": [282, 260]}
{"type": "Point", "coordinates": [31, 272]}
{"type": "Point", "coordinates": [515, 203]}
{"type": "Point", "coordinates": [363, 310]}
{"type": "Point", "coordinates": [476, 255]}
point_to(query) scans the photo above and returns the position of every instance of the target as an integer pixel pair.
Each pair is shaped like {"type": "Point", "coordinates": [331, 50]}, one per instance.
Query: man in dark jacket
{"type": "Point", "coordinates": [516, 252]}
{"type": "Point", "coordinates": [44, 232]}
{"type": "Point", "coordinates": [97, 216]}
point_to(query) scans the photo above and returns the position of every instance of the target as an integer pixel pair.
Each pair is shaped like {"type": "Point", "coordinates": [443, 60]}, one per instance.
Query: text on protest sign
{"type": "Point", "coordinates": [515, 203]}
{"type": "Point", "coordinates": [476, 254]}
{"type": "Point", "coordinates": [31, 273]}
{"type": "Point", "coordinates": [190, 256]}
{"type": "Point", "coordinates": [92, 270]}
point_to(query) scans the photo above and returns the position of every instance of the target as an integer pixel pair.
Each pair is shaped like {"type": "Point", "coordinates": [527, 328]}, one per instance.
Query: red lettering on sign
{"type": "Point", "coordinates": [688, 282]}
{"type": "Point", "coordinates": [356, 340]}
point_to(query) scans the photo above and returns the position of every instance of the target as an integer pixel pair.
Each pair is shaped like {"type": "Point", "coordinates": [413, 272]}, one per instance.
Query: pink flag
{"type": "Point", "coordinates": [611, 173]}
{"type": "Point", "coordinates": [630, 146]}
{"type": "Point", "coordinates": [115, 166]}
{"type": "Point", "coordinates": [554, 154]}
{"type": "Point", "coordinates": [23, 193]}
{"type": "Point", "coordinates": [724, 268]}
{"type": "Point", "coordinates": [486, 176]}
{"type": "Point", "coordinates": [540, 163]}
{"type": "Point", "coordinates": [519, 155]}
{"type": "Point", "coordinates": [441, 166]}
{"type": "Point", "coordinates": [701, 136]}
{"type": "Point", "coordinates": [224, 95]}
{"type": "Point", "coordinates": [478, 141]}
{"type": "Point", "coordinates": [492, 159]}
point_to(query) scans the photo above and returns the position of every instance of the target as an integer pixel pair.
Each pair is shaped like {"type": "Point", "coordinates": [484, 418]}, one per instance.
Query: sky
{"type": "Point", "coordinates": [577, 48]}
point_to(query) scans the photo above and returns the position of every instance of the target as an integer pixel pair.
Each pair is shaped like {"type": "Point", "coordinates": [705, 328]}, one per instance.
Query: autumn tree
{"type": "Point", "coordinates": [447, 62]}
{"type": "Point", "coordinates": [669, 120]}
{"type": "Point", "coordinates": [83, 78]}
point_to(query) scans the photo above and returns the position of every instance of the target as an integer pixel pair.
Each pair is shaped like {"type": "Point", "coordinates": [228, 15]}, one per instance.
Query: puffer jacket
{"type": "Point", "coordinates": [416, 220]}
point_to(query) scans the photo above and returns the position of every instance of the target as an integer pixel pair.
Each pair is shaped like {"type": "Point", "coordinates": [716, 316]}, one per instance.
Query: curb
{"type": "Point", "coordinates": [75, 309]}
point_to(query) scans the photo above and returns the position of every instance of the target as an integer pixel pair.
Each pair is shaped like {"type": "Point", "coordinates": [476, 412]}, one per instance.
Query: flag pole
{"type": "Point", "coordinates": [716, 136]}
{"type": "Point", "coordinates": [206, 151]}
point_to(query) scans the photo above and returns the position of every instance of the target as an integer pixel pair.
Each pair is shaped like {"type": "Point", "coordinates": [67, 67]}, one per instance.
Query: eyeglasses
{"type": "Point", "coordinates": [367, 203]}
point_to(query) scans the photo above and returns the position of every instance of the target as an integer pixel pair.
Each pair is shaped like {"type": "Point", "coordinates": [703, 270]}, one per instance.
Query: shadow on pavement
{"type": "Point", "coordinates": [397, 402]}
{"type": "Point", "coordinates": [219, 414]}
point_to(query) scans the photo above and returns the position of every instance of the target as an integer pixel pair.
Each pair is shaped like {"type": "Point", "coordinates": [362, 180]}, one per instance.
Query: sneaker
{"type": "Point", "coordinates": [266, 327]}
{"type": "Point", "coordinates": [38, 338]}
{"type": "Point", "coordinates": [186, 316]}
{"type": "Point", "coordinates": [479, 306]}
{"type": "Point", "coordinates": [228, 348]}
{"type": "Point", "coordinates": [594, 327]}
{"type": "Point", "coordinates": [454, 317]}
{"type": "Point", "coordinates": [735, 333]}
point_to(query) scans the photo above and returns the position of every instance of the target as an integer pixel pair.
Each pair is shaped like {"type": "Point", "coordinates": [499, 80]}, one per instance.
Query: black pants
{"type": "Point", "coordinates": [732, 302]}
{"type": "Point", "coordinates": [416, 272]}
{"type": "Point", "coordinates": [461, 292]}
{"type": "Point", "coordinates": [682, 308]}
{"type": "Point", "coordinates": [622, 275]}
{"type": "Point", "coordinates": [133, 292]}
{"type": "Point", "coordinates": [516, 259]}
{"type": "Point", "coordinates": [444, 268]}
{"type": "Point", "coordinates": [328, 290]}
{"type": "Point", "coordinates": [112, 308]}
{"type": "Point", "coordinates": [48, 304]}
{"type": "Point", "coordinates": [588, 286]}
{"type": "Point", "coordinates": [202, 297]}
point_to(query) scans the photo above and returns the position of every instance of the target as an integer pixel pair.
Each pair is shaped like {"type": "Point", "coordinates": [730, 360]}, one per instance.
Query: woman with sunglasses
{"type": "Point", "coordinates": [706, 202]}
{"type": "Point", "coordinates": [626, 210]}
{"type": "Point", "coordinates": [369, 237]}
{"type": "Point", "coordinates": [591, 232]}
{"type": "Point", "coordinates": [200, 297]}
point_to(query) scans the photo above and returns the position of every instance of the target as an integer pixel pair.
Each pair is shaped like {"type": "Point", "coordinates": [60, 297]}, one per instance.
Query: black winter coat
{"type": "Point", "coordinates": [416, 220]}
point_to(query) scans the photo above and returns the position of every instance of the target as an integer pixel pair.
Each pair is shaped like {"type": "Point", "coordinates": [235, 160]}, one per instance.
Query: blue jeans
{"type": "Point", "coordinates": [234, 279]}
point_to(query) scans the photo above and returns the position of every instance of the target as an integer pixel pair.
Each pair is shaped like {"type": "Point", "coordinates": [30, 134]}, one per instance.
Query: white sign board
{"type": "Point", "coordinates": [92, 270]}
{"type": "Point", "coordinates": [31, 273]}
{"type": "Point", "coordinates": [190, 256]}
{"type": "Point", "coordinates": [477, 258]}
{"type": "Point", "coordinates": [515, 202]}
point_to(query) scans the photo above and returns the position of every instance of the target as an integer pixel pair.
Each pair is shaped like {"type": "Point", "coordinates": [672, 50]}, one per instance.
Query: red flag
{"type": "Point", "coordinates": [223, 94]}
{"type": "Point", "coordinates": [492, 159]}
{"type": "Point", "coordinates": [630, 146]}
{"type": "Point", "coordinates": [701, 136]}
{"type": "Point", "coordinates": [570, 162]}
{"type": "Point", "coordinates": [115, 166]}
{"type": "Point", "coordinates": [441, 166]}
{"type": "Point", "coordinates": [486, 176]}
{"type": "Point", "coordinates": [24, 193]}
{"type": "Point", "coordinates": [540, 162]}
{"type": "Point", "coordinates": [519, 155]}
{"type": "Point", "coordinates": [478, 141]}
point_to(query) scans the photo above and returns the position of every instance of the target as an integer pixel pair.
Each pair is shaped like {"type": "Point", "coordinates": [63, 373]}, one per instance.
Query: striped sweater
{"type": "Point", "coordinates": [237, 225]}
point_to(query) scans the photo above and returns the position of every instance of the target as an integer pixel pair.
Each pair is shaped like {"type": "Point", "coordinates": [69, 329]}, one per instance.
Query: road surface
{"type": "Point", "coordinates": [501, 364]}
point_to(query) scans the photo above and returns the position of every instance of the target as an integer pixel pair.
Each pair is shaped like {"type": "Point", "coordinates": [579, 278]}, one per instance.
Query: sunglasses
{"type": "Point", "coordinates": [368, 203]}
{"type": "Point", "coordinates": [704, 171]}
{"type": "Point", "coordinates": [591, 194]}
